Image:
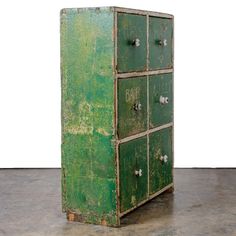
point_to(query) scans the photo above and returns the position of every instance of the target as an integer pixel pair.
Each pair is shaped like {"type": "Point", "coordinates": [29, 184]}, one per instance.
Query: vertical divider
{"type": "Point", "coordinates": [173, 152]}
{"type": "Point", "coordinates": [147, 66]}
{"type": "Point", "coordinates": [116, 116]}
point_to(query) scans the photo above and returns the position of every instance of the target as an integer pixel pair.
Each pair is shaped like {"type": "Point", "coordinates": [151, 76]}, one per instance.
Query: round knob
{"type": "Point", "coordinates": [138, 172]}
{"type": "Point", "coordinates": [136, 42]}
{"type": "Point", "coordinates": [162, 42]}
{"type": "Point", "coordinates": [137, 106]}
{"type": "Point", "coordinates": [164, 158]}
{"type": "Point", "coordinates": [165, 42]}
{"type": "Point", "coordinates": [164, 100]}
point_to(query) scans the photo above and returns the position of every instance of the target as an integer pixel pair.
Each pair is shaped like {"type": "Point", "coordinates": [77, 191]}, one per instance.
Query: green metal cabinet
{"type": "Point", "coordinates": [117, 111]}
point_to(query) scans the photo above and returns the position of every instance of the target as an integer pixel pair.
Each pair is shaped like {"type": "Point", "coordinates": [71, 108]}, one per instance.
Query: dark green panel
{"type": "Point", "coordinates": [88, 152]}
{"type": "Point", "coordinates": [160, 43]}
{"type": "Point", "coordinates": [132, 106]}
{"type": "Point", "coordinates": [160, 86]}
{"type": "Point", "coordinates": [133, 187]}
{"type": "Point", "coordinates": [130, 56]}
{"type": "Point", "coordinates": [160, 172]}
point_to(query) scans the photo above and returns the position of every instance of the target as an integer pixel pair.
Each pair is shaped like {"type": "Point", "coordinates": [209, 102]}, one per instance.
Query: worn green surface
{"type": "Point", "coordinates": [133, 156]}
{"type": "Point", "coordinates": [160, 85]}
{"type": "Point", "coordinates": [160, 173]}
{"type": "Point", "coordinates": [132, 91]}
{"type": "Point", "coordinates": [160, 56]}
{"type": "Point", "coordinates": [129, 57]}
{"type": "Point", "coordinates": [88, 151]}
{"type": "Point", "coordinates": [89, 173]}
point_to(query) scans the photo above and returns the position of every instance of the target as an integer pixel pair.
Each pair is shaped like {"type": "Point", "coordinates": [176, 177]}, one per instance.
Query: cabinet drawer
{"type": "Point", "coordinates": [131, 42]}
{"type": "Point", "coordinates": [160, 159]}
{"type": "Point", "coordinates": [160, 43]}
{"type": "Point", "coordinates": [160, 99]}
{"type": "Point", "coordinates": [132, 106]}
{"type": "Point", "coordinates": [133, 172]}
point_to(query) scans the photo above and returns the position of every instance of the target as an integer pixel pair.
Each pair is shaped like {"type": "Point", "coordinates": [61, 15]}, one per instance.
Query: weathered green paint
{"type": "Point", "coordinates": [160, 85]}
{"type": "Point", "coordinates": [160, 172]}
{"type": "Point", "coordinates": [131, 92]}
{"type": "Point", "coordinates": [160, 56]}
{"type": "Point", "coordinates": [133, 188]}
{"type": "Point", "coordinates": [88, 148]}
{"type": "Point", "coordinates": [129, 57]}
{"type": "Point", "coordinates": [94, 190]}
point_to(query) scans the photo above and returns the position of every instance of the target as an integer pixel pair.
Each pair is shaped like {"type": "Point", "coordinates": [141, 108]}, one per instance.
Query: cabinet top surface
{"type": "Point", "coordinates": [122, 9]}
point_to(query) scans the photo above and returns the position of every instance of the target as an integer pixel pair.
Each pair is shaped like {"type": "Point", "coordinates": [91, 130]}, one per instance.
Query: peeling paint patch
{"type": "Point", "coordinates": [133, 200]}
{"type": "Point", "coordinates": [103, 132]}
{"type": "Point", "coordinates": [79, 129]}
{"type": "Point", "coordinates": [87, 50]}
{"type": "Point", "coordinates": [82, 124]}
{"type": "Point", "coordinates": [157, 154]}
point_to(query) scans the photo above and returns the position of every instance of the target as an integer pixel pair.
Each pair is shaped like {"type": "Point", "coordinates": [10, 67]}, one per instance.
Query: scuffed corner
{"type": "Point", "coordinates": [62, 11]}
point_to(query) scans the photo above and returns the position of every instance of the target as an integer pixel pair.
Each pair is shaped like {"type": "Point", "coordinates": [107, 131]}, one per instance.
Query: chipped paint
{"type": "Point", "coordinates": [81, 124]}
{"type": "Point", "coordinates": [133, 200]}
{"type": "Point", "coordinates": [103, 132]}
{"type": "Point", "coordinates": [88, 155]}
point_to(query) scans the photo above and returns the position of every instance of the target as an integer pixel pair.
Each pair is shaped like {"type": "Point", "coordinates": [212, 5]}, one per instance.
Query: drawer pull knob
{"type": "Point", "coordinates": [136, 42]}
{"type": "Point", "coordinates": [164, 158]}
{"type": "Point", "coordinates": [162, 42]}
{"type": "Point", "coordinates": [164, 100]}
{"type": "Point", "coordinates": [137, 106]}
{"type": "Point", "coordinates": [138, 172]}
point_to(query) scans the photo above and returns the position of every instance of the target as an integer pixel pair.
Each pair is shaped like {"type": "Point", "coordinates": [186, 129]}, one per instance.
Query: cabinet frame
{"type": "Point", "coordinates": [134, 74]}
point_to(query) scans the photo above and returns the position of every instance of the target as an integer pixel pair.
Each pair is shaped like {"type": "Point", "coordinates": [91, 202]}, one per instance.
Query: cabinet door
{"type": "Point", "coordinates": [160, 43]}
{"type": "Point", "coordinates": [132, 106]}
{"type": "Point", "coordinates": [160, 99]}
{"type": "Point", "coordinates": [131, 42]}
{"type": "Point", "coordinates": [160, 159]}
{"type": "Point", "coordinates": [133, 172]}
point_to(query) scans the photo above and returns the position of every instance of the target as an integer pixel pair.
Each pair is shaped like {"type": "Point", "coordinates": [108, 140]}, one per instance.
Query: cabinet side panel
{"type": "Point", "coordinates": [88, 141]}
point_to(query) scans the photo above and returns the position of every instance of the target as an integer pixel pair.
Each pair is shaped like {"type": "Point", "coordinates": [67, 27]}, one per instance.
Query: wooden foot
{"type": "Point", "coordinates": [170, 190]}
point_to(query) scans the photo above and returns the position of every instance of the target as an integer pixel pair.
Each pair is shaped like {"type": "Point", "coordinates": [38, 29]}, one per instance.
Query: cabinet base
{"type": "Point", "coordinates": [114, 222]}
{"type": "Point", "coordinates": [107, 220]}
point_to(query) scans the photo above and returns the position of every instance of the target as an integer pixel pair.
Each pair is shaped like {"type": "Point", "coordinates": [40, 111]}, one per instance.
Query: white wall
{"type": "Point", "coordinates": [205, 80]}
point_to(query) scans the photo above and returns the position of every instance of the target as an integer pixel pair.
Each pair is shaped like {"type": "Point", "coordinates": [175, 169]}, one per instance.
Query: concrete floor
{"type": "Point", "coordinates": [204, 203]}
